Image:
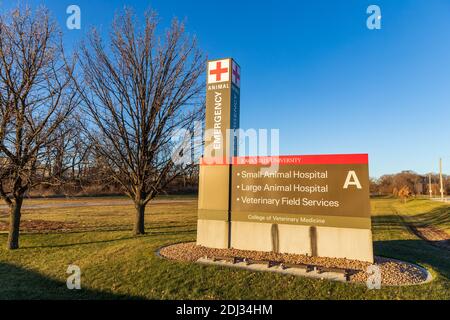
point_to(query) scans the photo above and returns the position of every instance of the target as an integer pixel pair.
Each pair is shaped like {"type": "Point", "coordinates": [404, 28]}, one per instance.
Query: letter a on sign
{"type": "Point", "coordinates": [352, 180]}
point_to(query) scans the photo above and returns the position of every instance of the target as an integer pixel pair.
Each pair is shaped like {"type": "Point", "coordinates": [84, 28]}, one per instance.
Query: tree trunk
{"type": "Point", "coordinates": [14, 224]}
{"type": "Point", "coordinates": [139, 224]}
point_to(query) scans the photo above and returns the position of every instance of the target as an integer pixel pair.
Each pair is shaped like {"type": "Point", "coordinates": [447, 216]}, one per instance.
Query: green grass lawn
{"type": "Point", "coordinates": [117, 265]}
{"type": "Point", "coordinates": [422, 212]}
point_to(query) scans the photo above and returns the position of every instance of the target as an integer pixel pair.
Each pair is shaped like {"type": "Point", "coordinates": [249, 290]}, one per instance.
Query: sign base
{"type": "Point", "coordinates": [355, 244]}
{"type": "Point", "coordinates": [213, 233]}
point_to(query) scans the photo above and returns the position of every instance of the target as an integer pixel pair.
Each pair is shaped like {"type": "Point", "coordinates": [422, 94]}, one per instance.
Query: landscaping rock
{"type": "Point", "coordinates": [393, 272]}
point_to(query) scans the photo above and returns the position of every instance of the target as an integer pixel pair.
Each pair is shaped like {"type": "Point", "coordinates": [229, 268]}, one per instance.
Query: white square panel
{"type": "Point", "coordinates": [218, 71]}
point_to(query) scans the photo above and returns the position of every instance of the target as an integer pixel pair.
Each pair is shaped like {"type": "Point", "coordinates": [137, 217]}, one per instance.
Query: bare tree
{"type": "Point", "coordinates": [65, 157]}
{"type": "Point", "coordinates": [138, 91]}
{"type": "Point", "coordinates": [35, 98]}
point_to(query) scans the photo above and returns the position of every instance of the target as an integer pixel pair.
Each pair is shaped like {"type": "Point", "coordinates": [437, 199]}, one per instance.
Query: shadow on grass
{"type": "Point", "coordinates": [77, 243]}
{"type": "Point", "coordinates": [416, 251]}
{"type": "Point", "coordinates": [388, 223]}
{"type": "Point", "coordinates": [436, 217]}
{"type": "Point", "coordinates": [149, 233]}
{"type": "Point", "coordinates": [18, 283]}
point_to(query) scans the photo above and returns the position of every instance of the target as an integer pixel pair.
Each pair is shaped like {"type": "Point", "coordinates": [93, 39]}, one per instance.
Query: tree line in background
{"type": "Point", "coordinates": [73, 167]}
{"type": "Point", "coordinates": [100, 120]}
{"type": "Point", "coordinates": [408, 183]}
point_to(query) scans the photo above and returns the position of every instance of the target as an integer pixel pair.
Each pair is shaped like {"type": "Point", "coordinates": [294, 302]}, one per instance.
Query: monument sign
{"type": "Point", "coordinates": [312, 204]}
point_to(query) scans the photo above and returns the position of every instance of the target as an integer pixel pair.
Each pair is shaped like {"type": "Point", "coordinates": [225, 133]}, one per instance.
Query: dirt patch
{"type": "Point", "coordinates": [38, 226]}
{"type": "Point", "coordinates": [70, 203]}
{"type": "Point", "coordinates": [393, 272]}
{"type": "Point", "coordinates": [433, 235]}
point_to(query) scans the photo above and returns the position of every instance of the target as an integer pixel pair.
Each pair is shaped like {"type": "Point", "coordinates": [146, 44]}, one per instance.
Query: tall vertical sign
{"type": "Point", "coordinates": [222, 118]}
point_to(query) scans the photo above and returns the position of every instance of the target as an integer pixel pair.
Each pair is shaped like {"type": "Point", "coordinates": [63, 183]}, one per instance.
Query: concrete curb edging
{"type": "Point", "coordinates": [332, 276]}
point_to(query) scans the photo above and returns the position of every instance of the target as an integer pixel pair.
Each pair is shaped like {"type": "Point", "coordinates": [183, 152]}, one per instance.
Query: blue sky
{"type": "Point", "coordinates": [313, 70]}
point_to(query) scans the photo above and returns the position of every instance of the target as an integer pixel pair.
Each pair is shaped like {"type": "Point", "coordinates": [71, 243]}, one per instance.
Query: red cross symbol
{"type": "Point", "coordinates": [236, 75]}
{"type": "Point", "coordinates": [218, 71]}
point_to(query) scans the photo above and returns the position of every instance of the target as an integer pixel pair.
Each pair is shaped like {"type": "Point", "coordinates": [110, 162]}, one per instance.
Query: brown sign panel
{"type": "Point", "coordinates": [323, 190]}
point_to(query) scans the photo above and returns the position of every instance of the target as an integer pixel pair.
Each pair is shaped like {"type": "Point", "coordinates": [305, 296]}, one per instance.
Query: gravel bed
{"type": "Point", "coordinates": [393, 272]}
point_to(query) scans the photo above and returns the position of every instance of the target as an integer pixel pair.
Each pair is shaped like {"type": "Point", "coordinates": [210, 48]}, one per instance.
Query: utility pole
{"type": "Point", "coordinates": [440, 177]}
{"type": "Point", "coordinates": [430, 190]}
